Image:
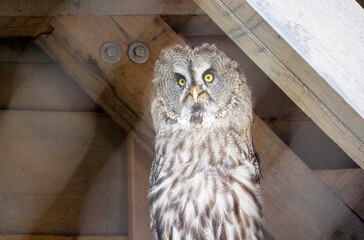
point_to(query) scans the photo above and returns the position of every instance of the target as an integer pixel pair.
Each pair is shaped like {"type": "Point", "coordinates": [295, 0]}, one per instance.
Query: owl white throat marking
{"type": "Point", "coordinates": [203, 182]}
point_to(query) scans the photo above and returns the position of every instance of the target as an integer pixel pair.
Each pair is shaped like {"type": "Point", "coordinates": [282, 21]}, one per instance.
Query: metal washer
{"type": "Point", "coordinates": [132, 52]}
{"type": "Point", "coordinates": [110, 52]}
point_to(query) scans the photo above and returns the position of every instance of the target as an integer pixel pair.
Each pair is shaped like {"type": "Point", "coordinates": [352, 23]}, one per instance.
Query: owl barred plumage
{"type": "Point", "coordinates": [204, 176]}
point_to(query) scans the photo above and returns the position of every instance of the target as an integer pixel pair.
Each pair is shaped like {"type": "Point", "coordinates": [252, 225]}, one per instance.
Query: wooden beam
{"type": "Point", "coordinates": [299, 48]}
{"type": "Point", "coordinates": [91, 7]}
{"type": "Point", "coordinates": [58, 237]}
{"type": "Point", "coordinates": [23, 26]}
{"type": "Point", "coordinates": [139, 165]}
{"type": "Point", "coordinates": [75, 44]}
{"type": "Point", "coordinates": [348, 184]}
{"type": "Point", "coordinates": [297, 205]}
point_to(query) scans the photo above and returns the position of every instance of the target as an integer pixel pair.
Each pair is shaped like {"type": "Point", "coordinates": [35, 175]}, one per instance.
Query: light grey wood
{"type": "Point", "coordinates": [304, 48]}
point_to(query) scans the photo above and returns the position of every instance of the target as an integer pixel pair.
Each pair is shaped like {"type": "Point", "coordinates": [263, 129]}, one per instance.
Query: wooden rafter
{"type": "Point", "coordinates": [290, 190]}
{"type": "Point", "coordinates": [19, 8]}
{"type": "Point", "coordinates": [299, 48]}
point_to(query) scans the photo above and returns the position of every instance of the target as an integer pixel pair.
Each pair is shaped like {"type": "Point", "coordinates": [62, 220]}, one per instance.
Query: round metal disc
{"type": "Point", "coordinates": [138, 52]}
{"type": "Point", "coordinates": [110, 52]}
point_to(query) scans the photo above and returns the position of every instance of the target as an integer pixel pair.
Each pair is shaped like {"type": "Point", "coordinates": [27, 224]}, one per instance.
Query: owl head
{"type": "Point", "coordinates": [197, 87]}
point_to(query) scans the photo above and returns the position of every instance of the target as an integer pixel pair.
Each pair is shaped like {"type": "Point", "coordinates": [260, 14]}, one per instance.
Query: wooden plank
{"type": "Point", "coordinates": [139, 165]}
{"type": "Point", "coordinates": [91, 7]}
{"type": "Point", "coordinates": [24, 26]}
{"type": "Point", "coordinates": [62, 173]}
{"type": "Point", "coordinates": [59, 237]}
{"type": "Point", "coordinates": [296, 203]}
{"type": "Point", "coordinates": [41, 87]}
{"type": "Point", "coordinates": [121, 89]}
{"type": "Point", "coordinates": [291, 52]}
{"type": "Point", "coordinates": [348, 184]}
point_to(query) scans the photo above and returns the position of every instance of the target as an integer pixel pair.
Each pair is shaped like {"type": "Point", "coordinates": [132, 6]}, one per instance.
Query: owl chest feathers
{"type": "Point", "coordinates": [203, 186]}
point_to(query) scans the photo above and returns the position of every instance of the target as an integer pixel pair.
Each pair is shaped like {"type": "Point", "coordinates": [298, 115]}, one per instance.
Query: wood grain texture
{"type": "Point", "coordinates": [291, 57]}
{"type": "Point", "coordinates": [59, 237]}
{"type": "Point", "coordinates": [297, 205]}
{"type": "Point", "coordinates": [62, 173]}
{"type": "Point", "coordinates": [23, 26]}
{"type": "Point", "coordinates": [100, 7]}
{"type": "Point", "coordinates": [139, 165]}
{"type": "Point", "coordinates": [348, 184]}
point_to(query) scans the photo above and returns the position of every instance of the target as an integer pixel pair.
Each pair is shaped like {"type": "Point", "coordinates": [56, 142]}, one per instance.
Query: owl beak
{"type": "Point", "coordinates": [195, 93]}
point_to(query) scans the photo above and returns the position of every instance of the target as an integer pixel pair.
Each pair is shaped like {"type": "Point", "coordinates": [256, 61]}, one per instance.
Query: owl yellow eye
{"type": "Point", "coordinates": [208, 77]}
{"type": "Point", "coordinates": [181, 81]}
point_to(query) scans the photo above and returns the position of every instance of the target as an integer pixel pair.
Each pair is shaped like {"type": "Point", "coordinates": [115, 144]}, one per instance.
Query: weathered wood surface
{"type": "Point", "coordinates": [139, 165]}
{"type": "Point", "coordinates": [75, 44]}
{"type": "Point", "coordinates": [348, 184]}
{"type": "Point", "coordinates": [91, 7]}
{"type": "Point", "coordinates": [298, 46]}
{"type": "Point", "coordinates": [23, 26]}
{"type": "Point", "coordinates": [62, 173]}
{"type": "Point", "coordinates": [59, 237]}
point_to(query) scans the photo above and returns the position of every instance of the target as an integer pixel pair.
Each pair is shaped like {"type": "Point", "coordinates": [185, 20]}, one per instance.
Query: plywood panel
{"type": "Point", "coordinates": [310, 143]}
{"type": "Point", "coordinates": [62, 173]}
{"type": "Point", "coordinates": [41, 87]}
{"type": "Point", "coordinates": [348, 184]}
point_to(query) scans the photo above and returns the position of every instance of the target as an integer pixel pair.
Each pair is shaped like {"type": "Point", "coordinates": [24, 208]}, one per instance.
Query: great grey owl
{"type": "Point", "coordinates": [204, 179]}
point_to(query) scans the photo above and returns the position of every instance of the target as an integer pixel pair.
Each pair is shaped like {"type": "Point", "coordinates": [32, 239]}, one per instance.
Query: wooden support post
{"type": "Point", "coordinates": [297, 204]}
{"type": "Point", "coordinates": [300, 48]}
{"type": "Point", "coordinates": [139, 164]}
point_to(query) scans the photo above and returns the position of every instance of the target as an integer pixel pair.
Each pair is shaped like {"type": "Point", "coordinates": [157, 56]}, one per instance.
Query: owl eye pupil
{"type": "Point", "coordinates": [181, 82]}
{"type": "Point", "coordinates": [209, 77]}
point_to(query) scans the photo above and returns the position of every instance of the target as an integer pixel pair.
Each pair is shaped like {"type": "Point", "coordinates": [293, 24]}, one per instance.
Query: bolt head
{"type": "Point", "coordinates": [139, 51]}
{"type": "Point", "coordinates": [111, 51]}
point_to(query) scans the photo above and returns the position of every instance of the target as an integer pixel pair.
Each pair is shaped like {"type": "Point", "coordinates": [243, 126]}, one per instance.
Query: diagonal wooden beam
{"type": "Point", "coordinates": [300, 48]}
{"type": "Point", "coordinates": [297, 204]}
